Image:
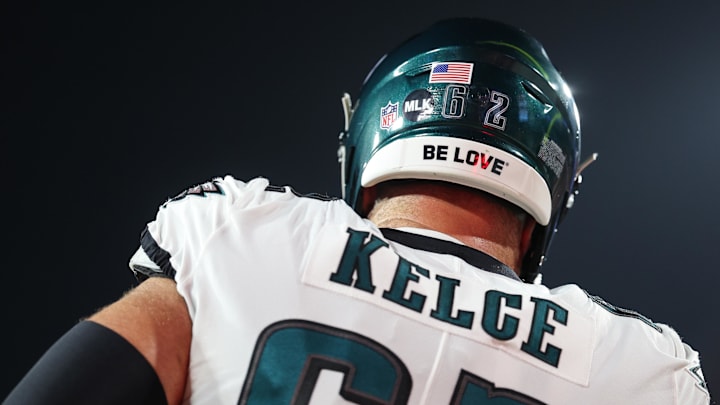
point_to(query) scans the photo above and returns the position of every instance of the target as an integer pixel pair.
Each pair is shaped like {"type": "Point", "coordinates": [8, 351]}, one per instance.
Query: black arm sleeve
{"type": "Point", "coordinates": [90, 364]}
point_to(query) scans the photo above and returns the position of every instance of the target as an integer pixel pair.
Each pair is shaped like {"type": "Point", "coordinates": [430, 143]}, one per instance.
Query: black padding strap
{"type": "Point", "coordinates": [157, 254]}
{"type": "Point", "coordinates": [90, 364]}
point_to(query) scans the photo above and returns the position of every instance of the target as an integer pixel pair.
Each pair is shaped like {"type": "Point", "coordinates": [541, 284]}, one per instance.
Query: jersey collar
{"type": "Point", "coordinates": [440, 243]}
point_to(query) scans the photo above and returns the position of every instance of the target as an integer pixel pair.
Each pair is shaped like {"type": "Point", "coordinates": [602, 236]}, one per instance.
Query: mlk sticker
{"type": "Point", "coordinates": [418, 105]}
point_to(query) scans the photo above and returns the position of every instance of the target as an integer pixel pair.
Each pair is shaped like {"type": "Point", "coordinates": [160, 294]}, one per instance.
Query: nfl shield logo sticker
{"type": "Point", "coordinates": [388, 115]}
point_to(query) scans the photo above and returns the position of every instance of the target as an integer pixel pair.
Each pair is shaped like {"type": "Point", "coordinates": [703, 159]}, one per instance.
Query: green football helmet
{"type": "Point", "coordinates": [473, 102]}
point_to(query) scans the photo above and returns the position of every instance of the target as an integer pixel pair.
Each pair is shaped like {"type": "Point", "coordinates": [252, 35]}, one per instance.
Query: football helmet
{"type": "Point", "coordinates": [474, 102]}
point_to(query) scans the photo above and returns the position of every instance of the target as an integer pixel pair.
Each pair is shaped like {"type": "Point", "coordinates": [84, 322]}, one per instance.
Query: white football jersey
{"type": "Point", "coordinates": [295, 299]}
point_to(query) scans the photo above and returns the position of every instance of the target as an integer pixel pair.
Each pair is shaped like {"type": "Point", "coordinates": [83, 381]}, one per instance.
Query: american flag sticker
{"type": "Point", "coordinates": [451, 72]}
{"type": "Point", "coordinates": [388, 115]}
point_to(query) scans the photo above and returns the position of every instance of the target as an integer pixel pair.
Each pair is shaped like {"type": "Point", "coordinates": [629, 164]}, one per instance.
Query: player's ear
{"type": "Point", "coordinates": [368, 196]}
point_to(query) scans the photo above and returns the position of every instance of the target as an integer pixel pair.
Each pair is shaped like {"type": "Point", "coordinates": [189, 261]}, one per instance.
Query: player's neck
{"type": "Point", "coordinates": [475, 228]}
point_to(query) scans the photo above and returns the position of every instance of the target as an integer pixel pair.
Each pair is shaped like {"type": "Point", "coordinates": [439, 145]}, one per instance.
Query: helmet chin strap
{"type": "Point", "coordinates": [346, 101]}
{"type": "Point", "coordinates": [537, 277]}
{"type": "Point", "coordinates": [578, 179]}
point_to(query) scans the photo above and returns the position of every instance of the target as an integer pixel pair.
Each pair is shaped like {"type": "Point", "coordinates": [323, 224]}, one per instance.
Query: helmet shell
{"type": "Point", "coordinates": [474, 102]}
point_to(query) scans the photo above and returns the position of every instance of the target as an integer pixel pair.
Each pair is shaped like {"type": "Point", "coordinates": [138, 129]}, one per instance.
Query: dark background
{"type": "Point", "coordinates": [108, 110]}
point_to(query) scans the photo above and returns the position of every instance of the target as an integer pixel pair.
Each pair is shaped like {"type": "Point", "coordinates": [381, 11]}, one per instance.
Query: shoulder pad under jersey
{"type": "Point", "coordinates": [143, 267]}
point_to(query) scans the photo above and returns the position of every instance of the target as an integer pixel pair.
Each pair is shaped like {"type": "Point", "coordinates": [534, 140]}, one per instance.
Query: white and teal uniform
{"type": "Point", "coordinates": [297, 299]}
